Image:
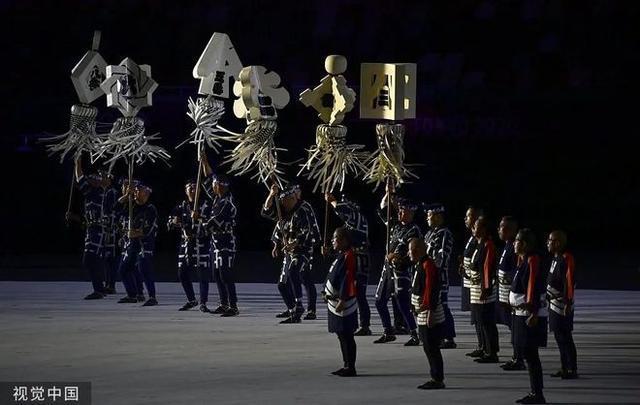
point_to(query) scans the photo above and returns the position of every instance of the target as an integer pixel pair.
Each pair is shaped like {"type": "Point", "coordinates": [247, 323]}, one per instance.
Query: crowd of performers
{"type": "Point", "coordinates": [510, 286]}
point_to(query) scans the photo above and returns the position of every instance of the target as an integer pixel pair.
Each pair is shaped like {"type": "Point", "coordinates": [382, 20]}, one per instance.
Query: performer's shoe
{"type": "Point", "coordinates": [569, 375]}
{"type": "Point", "coordinates": [363, 331]}
{"type": "Point", "coordinates": [140, 298]}
{"type": "Point", "coordinates": [532, 399]}
{"type": "Point", "coordinates": [488, 359]}
{"type": "Point", "coordinates": [127, 300]}
{"type": "Point", "coordinates": [231, 311]}
{"type": "Point", "coordinates": [414, 341]}
{"type": "Point", "coordinates": [401, 330]}
{"type": "Point", "coordinates": [513, 365]}
{"type": "Point", "coordinates": [432, 385]}
{"type": "Point", "coordinates": [94, 296]}
{"type": "Point", "coordinates": [475, 353]}
{"type": "Point", "coordinates": [299, 310]}
{"type": "Point", "coordinates": [109, 290]}
{"type": "Point", "coordinates": [338, 371]}
{"type": "Point", "coordinates": [385, 338]}
{"type": "Point", "coordinates": [220, 310]}
{"type": "Point", "coordinates": [310, 316]}
{"type": "Point", "coordinates": [292, 319]}
{"type": "Point", "coordinates": [285, 314]}
{"type": "Point", "coordinates": [188, 305]}
{"type": "Point", "coordinates": [558, 374]}
{"type": "Point", "coordinates": [151, 302]}
{"type": "Point", "coordinates": [448, 344]}
{"type": "Point", "coordinates": [347, 372]}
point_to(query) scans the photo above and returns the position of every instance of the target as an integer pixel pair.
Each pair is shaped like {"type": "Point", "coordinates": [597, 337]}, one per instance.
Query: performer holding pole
{"type": "Point", "coordinates": [129, 88]}
{"type": "Point", "coordinates": [387, 92]}
{"type": "Point", "coordinates": [86, 76]}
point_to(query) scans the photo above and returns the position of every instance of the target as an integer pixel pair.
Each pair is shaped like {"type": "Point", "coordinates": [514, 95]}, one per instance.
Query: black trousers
{"type": "Point", "coordinates": [348, 349]}
{"type": "Point", "coordinates": [363, 304]}
{"type": "Point", "coordinates": [485, 315]}
{"type": "Point", "coordinates": [430, 338]}
{"type": "Point", "coordinates": [568, 354]}
{"type": "Point", "coordinates": [534, 367]}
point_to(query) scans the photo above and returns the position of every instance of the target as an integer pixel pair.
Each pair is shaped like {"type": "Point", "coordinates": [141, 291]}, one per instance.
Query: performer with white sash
{"type": "Point", "coordinates": [560, 292]}
{"type": "Point", "coordinates": [483, 291]}
{"type": "Point", "coordinates": [506, 269]}
{"type": "Point", "coordinates": [439, 241]}
{"type": "Point", "coordinates": [470, 218]}
{"type": "Point", "coordinates": [426, 301]}
{"type": "Point", "coordinates": [340, 296]}
{"type": "Point", "coordinates": [528, 300]}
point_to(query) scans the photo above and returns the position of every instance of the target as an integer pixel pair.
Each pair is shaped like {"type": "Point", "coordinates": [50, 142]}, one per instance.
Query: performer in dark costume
{"type": "Point", "coordinates": [484, 290]}
{"type": "Point", "coordinates": [358, 227]}
{"type": "Point", "coordinates": [425, 299]}
{"type": "Point", "coordinates": [506, 269]}
{"type": "Point", "coordinates": [221, 224]}
{"type": "Point", "coordinates": [560, 292]}
{"type": "Point", "coordinates": [528, 301]}
{"type": "Point", "coordinates": [121, 219]}
{"type": "Point", "coordinates": [110, 254]}
{"type": "Point", "coordinates": [99, 199]}
{"type": "Point", "coordinates": [296, 235]}
{"type": "Point", "coordinates": [395, 279]}
{"type": "Point", "coordinates": [439, 242]}
{"type": "Point", "coordinates": [194, 248]}
{"type": "Point", "coordinates": [464, 269]}
{"type": "Point", "coordinates": [340, 295]}
{"type": "Point", "coordinates": [139, 246]}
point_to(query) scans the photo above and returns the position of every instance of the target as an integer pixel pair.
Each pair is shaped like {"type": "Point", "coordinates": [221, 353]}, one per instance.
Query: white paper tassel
{"type": "Point", "coordinates": [81, 136]}
{"type": "Point", "coordinates": [205, 113]}
{"type": "Point", "coordinates": [331, 160]}
{"type": "Point", "coordinates": [388, 160]}
{"type": "Point", "coordinates": [256, 152]}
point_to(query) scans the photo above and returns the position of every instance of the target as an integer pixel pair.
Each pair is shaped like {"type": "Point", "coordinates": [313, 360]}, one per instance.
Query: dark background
{"type": "Point", "coordinates": [524, 107]}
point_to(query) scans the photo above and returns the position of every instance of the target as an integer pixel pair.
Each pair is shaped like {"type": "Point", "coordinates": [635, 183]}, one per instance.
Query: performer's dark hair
{"type": "Point", "coordinates": [478, 211]}
{"type": "Point", "coordinates": [562, 237]}
{"type": "Point", "coordinates": [344, 232]}
{"type": "Point", "coordinates": [511, 221]}
{"type": "Point", "coordinates": [528, 237]}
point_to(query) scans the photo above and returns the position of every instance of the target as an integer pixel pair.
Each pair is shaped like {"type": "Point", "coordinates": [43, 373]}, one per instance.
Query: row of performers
{"type": "Point", "coordinates": [509, 288]}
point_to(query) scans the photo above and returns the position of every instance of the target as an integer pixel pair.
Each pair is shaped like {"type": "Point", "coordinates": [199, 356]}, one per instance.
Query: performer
{"type": "Point", "coordinates": [484, 290]}
{"type": "Point", "coordinates": [426, 300]}
{"type": "Point", "coordinates": [395, 279]}
{"type": "Point", "coordinates": [221, 224]}
{"type": "Point", "coordinates": [529, 322]}
{"type": "Point", "coordinates": [464, 269]}
{"type": "Point", "coordinates": [194, 248]}
{"type": "Point", "coordinates": [110, 250]}
{"type": "Point", "coordinates": [94, 188]}
{"type": "Point", "coordinates": [560, 292]}
{"type": "Point", "coordinates": [439, 242]}
{"type": "Point", "coordinates": [121, 220]}
{"type": "Point", "coordinates": [358, 226]}
{"type": "Point", "coordinates": [139, 245]}
{"type": "Point", "coordinates": [506, 269]}
{"type": "Point", "coordinates": [296, 234]}
{"type": "Point", "coordinates": [340, 295]}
